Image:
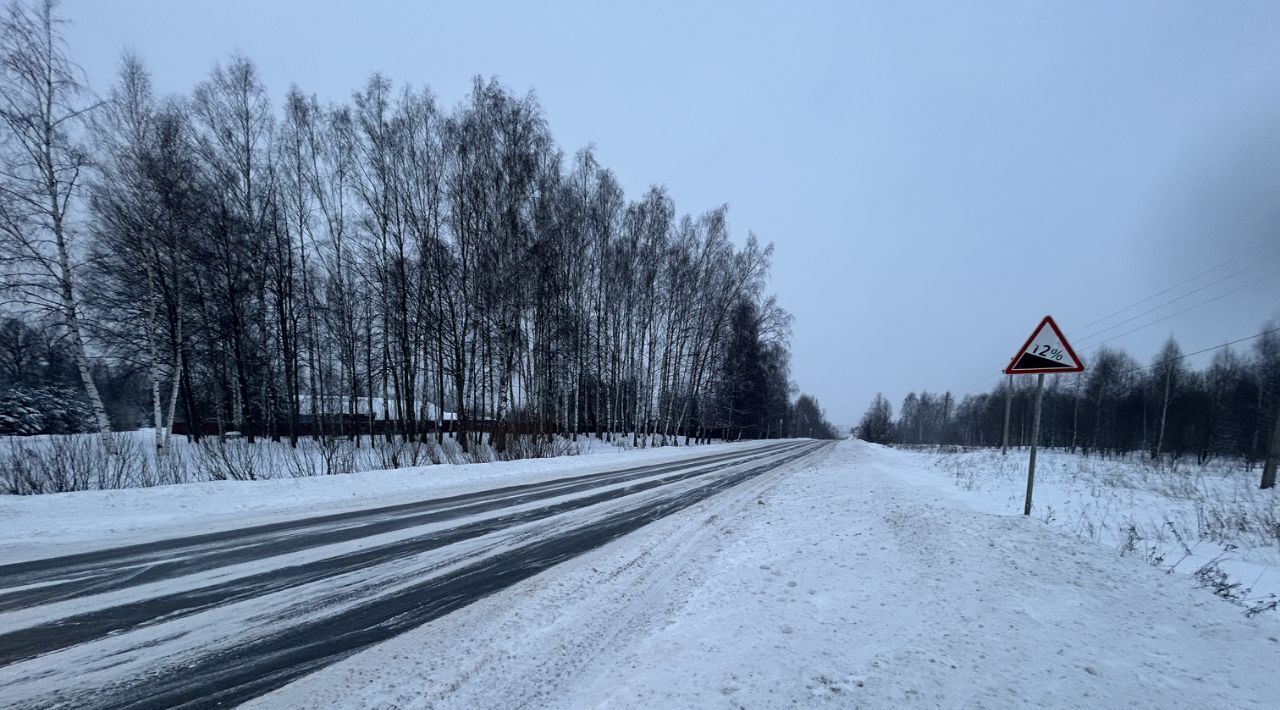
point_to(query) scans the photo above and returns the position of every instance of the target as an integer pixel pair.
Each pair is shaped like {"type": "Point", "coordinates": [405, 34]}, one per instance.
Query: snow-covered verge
{"type": "Point", "coordinates": [1179, 516]}
{"type": "Point", "coordinates": [843, 582]}
{"type": "Point", "coordinates": [64, 463]}
{"type": "Point", "coordinates": [62, 523]}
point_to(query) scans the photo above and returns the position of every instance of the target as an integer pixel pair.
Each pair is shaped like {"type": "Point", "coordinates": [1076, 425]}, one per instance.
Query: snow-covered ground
{"type": "Point", "coordinates": [62, 523]}
{"type": "Point", "coordinates": [863, 579]}
{"type": "Point", "coordinates": [1178, 516]}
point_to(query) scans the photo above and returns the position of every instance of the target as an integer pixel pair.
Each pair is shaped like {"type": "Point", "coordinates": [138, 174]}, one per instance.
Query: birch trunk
{"type": "Point", "coordinates": [154, 358]}
{"type": "Point", "coordinates": [173, 400]}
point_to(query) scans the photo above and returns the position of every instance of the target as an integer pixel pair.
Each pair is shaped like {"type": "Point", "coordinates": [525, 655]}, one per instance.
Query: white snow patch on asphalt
{"type": "Point", "coordinates": [831, 582]}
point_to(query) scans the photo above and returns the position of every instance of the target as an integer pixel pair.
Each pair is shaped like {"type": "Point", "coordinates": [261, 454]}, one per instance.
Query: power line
{"type": "Point", "coordinates": [1178, 298]}
{"type": "Point", "coordinates": [1186, 355]}
{"type": "Point", "coordinates": [1199, 352]}
{"type": "Point", "coordinates": [1220, 296]}
{"type": "Point", "coordinates": [1187, 280]}
{"type": "Point", "coordinates": [986, 380]}
{"type": "Point", "coordinates": [978, 385]}
{"type": "Point", "coordinates": [983, 382]}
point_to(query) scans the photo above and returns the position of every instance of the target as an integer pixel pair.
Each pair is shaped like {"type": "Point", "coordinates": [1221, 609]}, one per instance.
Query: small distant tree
{"type": "Point", "coordinates": [877, 424]}
{"type": "Point", "coordinates": [908, 414]}
{"type": "Point", "coordinates": [810, 421]}
{"type": "Point", "coordinates": [1167, 374]}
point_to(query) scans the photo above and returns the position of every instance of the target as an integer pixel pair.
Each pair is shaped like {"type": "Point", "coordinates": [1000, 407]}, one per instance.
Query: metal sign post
{"type": "Point", "coordinates": [1046, 351]}
{"type": "Point", "coordinates": [1035, 442]}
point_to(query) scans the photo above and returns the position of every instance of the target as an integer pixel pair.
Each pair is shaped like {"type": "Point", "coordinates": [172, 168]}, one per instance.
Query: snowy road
{"type": "Point", "coordinates": [219, 618]}
{"type": "Point", "coordinates": [856, 579]}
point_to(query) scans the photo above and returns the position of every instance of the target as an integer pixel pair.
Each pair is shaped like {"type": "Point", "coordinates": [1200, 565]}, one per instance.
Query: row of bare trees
{"type": "Point", "coordinates": [1230, 408]}
{"type": "Point", "coordinates": [383, 265]}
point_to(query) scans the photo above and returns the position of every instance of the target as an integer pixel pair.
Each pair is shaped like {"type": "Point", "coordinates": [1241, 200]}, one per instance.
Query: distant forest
{"type": "Point", "coordinates": [1117, 406]}
{"type": "Point", "coordinates": [316, 268]}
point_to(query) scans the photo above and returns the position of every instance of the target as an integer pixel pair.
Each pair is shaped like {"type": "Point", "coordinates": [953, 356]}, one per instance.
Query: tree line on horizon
{"type": "Point", "coordinates": [1115, 407]}
{"type": "Point", "coordinates": [317, 268]}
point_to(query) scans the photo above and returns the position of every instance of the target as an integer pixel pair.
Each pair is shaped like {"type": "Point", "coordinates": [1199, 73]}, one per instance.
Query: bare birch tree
{"type": "Point", "coordinates": [42, 111]}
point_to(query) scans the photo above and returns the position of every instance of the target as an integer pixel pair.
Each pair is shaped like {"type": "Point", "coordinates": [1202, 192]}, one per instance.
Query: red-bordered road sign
{"type": "Point", "coordinates": [1045, 352]}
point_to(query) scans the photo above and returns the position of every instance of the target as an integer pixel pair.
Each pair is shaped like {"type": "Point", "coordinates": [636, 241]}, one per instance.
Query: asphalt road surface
{"type": "Point", "coordinates": [214, 620]}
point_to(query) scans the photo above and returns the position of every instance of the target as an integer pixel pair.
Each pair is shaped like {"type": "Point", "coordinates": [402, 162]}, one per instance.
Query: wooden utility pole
{"type": "Point", "coordinates": [1035, 441]}
{"type": "Point", "coordinates": [1008, 403]}
{"type": "Point", "coordinates": [1273, 451]}
{"type": "Point", "coordinates": [1164, 411]}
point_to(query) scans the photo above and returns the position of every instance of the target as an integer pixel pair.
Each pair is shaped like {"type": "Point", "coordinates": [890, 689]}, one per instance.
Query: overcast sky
{"type": "Point", "coordinates": [936, 177]}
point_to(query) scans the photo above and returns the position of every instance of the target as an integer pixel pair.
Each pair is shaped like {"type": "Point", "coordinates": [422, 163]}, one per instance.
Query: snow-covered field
{"type": "Point", "coordinates": [864, 579]}
{"type": "Point", "coordinates": [1178, 516]}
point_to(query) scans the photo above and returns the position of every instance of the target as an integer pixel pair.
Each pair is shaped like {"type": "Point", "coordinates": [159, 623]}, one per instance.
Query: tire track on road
{"type": "Point", "coordinates": [46, 581]}
{"type": "Point", "coordinates": [42, 638]}
{"type": "Point", "coordinates": [230, 676]}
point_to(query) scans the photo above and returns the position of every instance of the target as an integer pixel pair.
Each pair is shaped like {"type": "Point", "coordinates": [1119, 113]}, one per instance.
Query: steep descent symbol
{"type": "Point", "coordinates": [1046, 351]}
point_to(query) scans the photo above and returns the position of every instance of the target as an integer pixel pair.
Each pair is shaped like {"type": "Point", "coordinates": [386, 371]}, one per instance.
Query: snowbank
{"type": "Point", "coordinates": [1177, 516]}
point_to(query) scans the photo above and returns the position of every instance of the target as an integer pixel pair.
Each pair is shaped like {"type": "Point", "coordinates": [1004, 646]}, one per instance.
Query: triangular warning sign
{"type": "Point", "coordinates": [1046, 351]}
